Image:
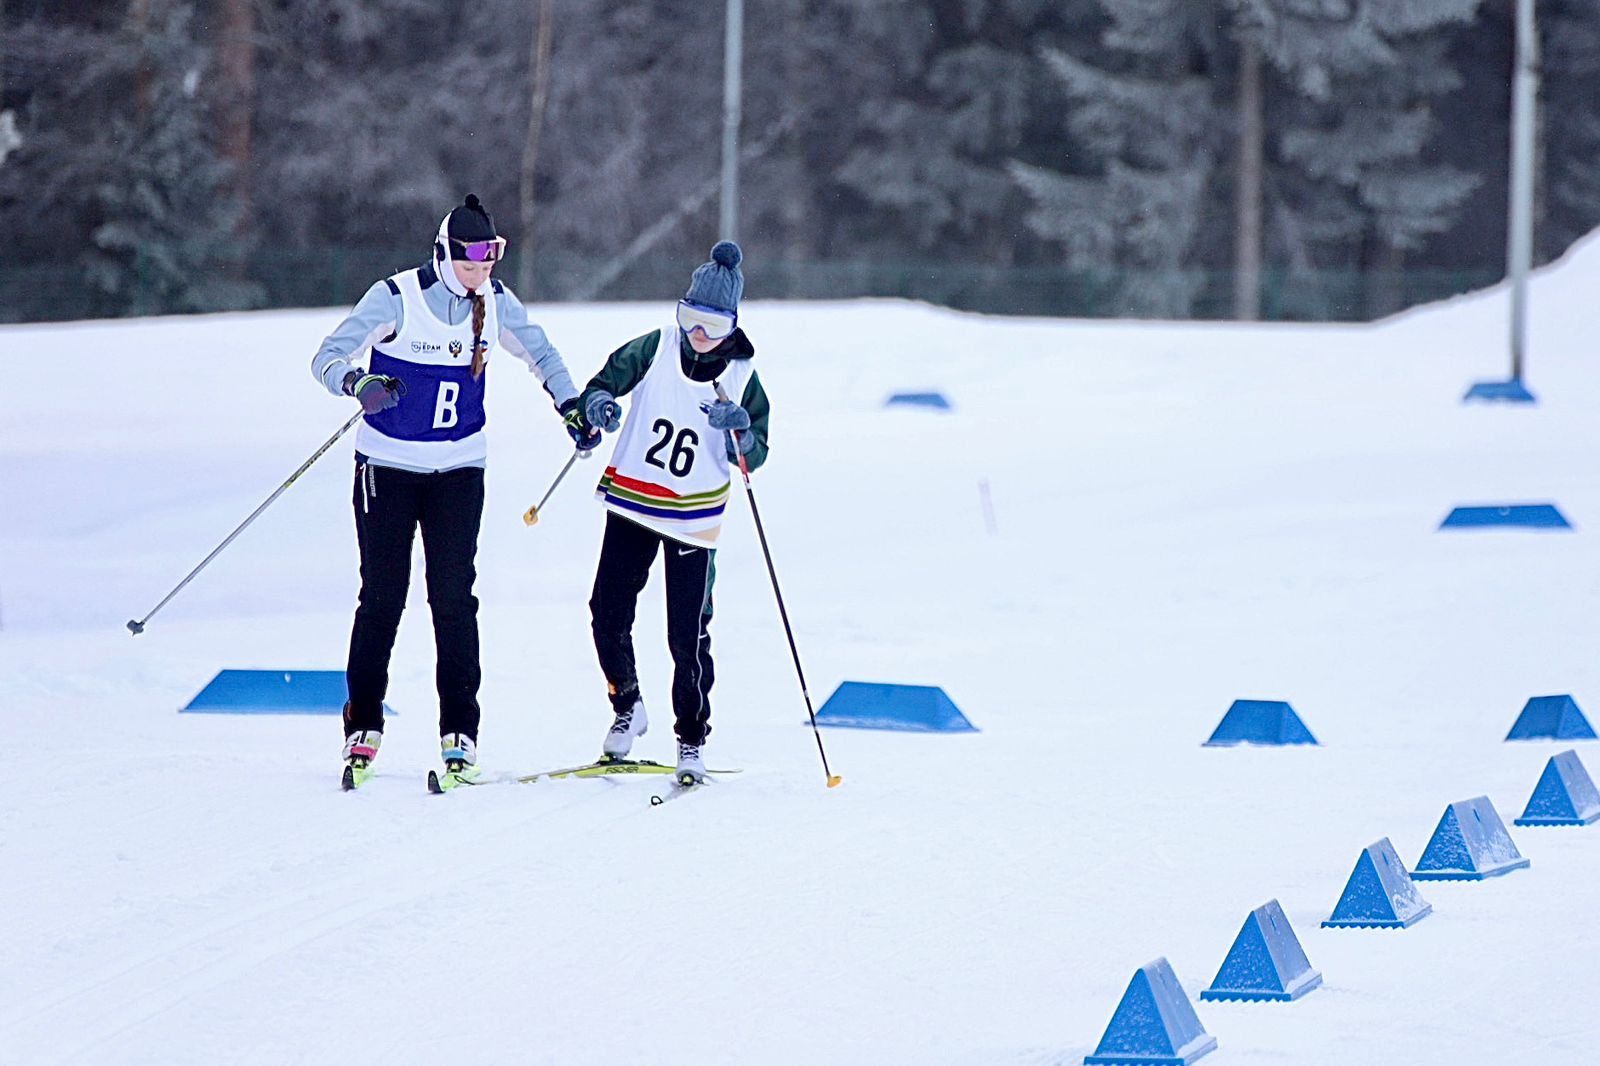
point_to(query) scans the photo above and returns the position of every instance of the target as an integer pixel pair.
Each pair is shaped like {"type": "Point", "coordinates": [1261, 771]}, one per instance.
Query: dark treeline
{"type": "Point", "coordinates": [1212, 158]}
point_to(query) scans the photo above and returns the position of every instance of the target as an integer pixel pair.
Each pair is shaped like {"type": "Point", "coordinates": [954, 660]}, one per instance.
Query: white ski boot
{"type": "Point", "coordinates": [360, 748]}
{"type": "Point", "coordinates": [691, 771]}
{"type": "Point", "coordinates": [460, 756]}
{"type": "Point", "coordinates": [624, 727]}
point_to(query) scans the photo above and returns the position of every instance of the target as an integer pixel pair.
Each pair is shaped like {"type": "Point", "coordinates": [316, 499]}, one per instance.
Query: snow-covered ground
{"type": "Point", "coordinates": [1185, 514]}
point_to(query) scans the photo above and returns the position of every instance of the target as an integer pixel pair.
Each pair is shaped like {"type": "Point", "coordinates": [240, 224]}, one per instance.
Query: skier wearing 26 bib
{"type": "Point", "coordinates": [420, 454]}
{"type": "Point", "coordinates": [666, 489]}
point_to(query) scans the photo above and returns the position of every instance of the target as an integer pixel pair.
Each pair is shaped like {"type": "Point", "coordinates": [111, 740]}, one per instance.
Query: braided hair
{"type": "Point", "coordinates": [478, 312]}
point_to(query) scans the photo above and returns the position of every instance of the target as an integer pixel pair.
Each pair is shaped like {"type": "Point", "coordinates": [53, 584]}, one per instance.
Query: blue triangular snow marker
{"type": "Point", "coordinates": [1155, 1025]}
{"type": "Point", "coordinates": [1260, 722]}
{"type": "Point", "coordinates": [1551, 718]}
{"type": "Point", "coordinates": [1379, 894]}
{"type": "Point", "coordinates": [1470, 844]}
{"type": "Point", "coordinates": [935, 400]}
{"type": "Point", "coordinates": [908, 708]}
{"type": "Point", "coordinates": [274, 692]}
{"type": "Point", "coordinates": [1565, 794]}
{"type": "Point", "coordinates": [1265, 962]}
{"type": "Point", "coordinates": [1507, 515]}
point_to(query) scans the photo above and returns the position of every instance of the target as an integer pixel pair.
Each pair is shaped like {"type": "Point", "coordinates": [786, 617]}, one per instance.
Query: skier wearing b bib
{"type": "Point", "coordinates": [426, 336]}
{"type": "Point", "coordinates": [666, 489]}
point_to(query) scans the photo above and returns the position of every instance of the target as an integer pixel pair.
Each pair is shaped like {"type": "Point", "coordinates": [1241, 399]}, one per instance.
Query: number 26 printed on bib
{"type": "Point", "coordinates": [681, 459]}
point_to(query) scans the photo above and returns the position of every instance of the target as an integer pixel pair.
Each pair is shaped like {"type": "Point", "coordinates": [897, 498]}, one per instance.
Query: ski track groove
{"type": "Point", "coordinates": [218, 947]}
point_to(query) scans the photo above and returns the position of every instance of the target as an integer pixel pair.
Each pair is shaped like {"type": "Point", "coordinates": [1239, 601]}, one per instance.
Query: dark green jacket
{"type": "Point", "coordinates": [626, 367]}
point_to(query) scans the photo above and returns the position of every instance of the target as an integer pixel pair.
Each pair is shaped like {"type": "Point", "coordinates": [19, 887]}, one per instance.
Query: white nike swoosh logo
{"type": "Point", "coordinates": [687, 551]}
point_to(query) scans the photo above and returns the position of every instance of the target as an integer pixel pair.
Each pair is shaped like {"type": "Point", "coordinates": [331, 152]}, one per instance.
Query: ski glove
{"type": "Point", "coordinates": [725, 414]}
{"type": "Point", "coordinates": [585, 436]}
{"type": "Point", "coordinates": [604, 411]}
{"type": "Point", "coordinates": [374, 391]}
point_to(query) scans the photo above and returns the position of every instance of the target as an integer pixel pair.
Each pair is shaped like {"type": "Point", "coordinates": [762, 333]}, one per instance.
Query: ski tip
{"type": "Point", "coordinates": [834, 780]}
{"type": "Point", "coordinates": [347, 780]}
{"type": "Point", "coordinates": [433, 783]}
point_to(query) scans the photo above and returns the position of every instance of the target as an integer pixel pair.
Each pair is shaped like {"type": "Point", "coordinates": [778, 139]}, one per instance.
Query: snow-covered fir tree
{"type": "Point", "coordinates": [1231, 137]}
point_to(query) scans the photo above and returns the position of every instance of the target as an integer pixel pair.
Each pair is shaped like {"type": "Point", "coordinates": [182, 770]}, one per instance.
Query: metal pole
{"type": "Point", "coordinates": [733, 57]}
{"type": "Point", "coordinates": [1519, 237]}
{"type": "Point", "coordinates": [137, 627]}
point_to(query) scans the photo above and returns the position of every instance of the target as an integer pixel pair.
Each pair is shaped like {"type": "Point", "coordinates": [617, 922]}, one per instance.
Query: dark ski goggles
{"type": "Point", "coordinates": [714, 322]}
{"type": "Point", "coordinates": [480, 251]}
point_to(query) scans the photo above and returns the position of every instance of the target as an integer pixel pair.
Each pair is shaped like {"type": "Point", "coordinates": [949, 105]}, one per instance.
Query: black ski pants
{"type": "Point", "coordinates": [390, 506]}
{"type": "Point", "coordinates": [626, 555]}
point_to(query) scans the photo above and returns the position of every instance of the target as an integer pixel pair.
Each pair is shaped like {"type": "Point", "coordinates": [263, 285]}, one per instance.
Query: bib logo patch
{"type": "Point", "coordinates": [419, 347]}
{"type": "Point", "coordinates": [455, 347]}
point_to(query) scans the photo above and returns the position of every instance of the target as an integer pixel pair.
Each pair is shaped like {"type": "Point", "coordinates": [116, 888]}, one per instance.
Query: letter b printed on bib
{"type": "Point", "coordinates": [444, 412]}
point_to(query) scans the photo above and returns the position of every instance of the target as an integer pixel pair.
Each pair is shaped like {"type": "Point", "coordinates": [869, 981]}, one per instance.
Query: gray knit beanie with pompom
{"type": "Point", "coordinates": [718, 283]}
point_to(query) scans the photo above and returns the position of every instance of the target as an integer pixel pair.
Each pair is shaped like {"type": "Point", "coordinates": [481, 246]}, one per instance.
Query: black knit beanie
{"type": "Point", "coordinates": [469, 222]}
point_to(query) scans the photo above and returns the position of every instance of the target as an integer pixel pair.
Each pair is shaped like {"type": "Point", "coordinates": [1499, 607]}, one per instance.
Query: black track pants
{"type": "Point", "coordinates": [390, 505]}
{"type": "Point", "coordinates": [626, 555]}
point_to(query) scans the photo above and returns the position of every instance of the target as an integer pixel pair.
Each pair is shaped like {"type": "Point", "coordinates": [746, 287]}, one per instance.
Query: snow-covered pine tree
{"type": "Point", "coordinates": [920, 174]}
{"type": "Point", "coordinates": [1204, 117]}
{"type": "Point", "coordinates": [1569, 32]}
{"type": "Point", "coordinates": [166, 228]}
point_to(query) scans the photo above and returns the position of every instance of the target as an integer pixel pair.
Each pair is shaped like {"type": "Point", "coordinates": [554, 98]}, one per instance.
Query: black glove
{"type": "Point", "coordinates": [585, 436]}
{"type": "Point", "coordinates": [374, 391]}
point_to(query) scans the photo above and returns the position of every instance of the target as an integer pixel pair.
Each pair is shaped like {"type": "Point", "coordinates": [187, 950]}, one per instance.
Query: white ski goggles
{"type": "Point", "coordinates": [713, 322]}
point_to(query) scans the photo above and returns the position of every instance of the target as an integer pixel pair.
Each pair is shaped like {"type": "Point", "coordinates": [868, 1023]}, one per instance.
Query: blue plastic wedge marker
{"type": "Point", "coordinates": [1512, 391]}
{"type": "Point", "coordinates": [1551, 718]}
{"type": "Point", "coordinates": [1565, 794]}
{"type": "Point", "coordinates": [1260, 722]}
{"type": "Point", "coordinates": [1507, 516]}
{"type": "Point", "coordinates": [273, 692]}
{"type": "Point", "coordinates": [907, 708]}
{"type": "Point", "coordinates": [1469, 844]}
{"type": "Point", "coordinates": [935, 400]}
{"type": "Point", "coordinates": [1379, 894]}
{"type": "Point", "coordinates": [1266, 961]}
{"type": "Point", "coordinates": [1155, 1024]}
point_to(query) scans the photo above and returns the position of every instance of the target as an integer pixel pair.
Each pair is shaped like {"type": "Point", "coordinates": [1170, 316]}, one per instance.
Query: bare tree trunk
{"type": "Point", "coordinates": [237, 60]}
{"type": "Point", "coordinates": [144, 80]}
{"type": "Point", "coordinates": [538, 96]}
{"type": "Point", "coordinates": [1247, 188]}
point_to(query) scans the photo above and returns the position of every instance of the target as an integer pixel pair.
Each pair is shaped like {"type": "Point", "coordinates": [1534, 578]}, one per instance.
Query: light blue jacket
{"type": "Point", "coordinates": [381, 311]}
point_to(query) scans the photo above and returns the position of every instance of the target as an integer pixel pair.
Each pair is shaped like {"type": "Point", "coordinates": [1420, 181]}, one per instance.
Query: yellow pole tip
{"type": "Point", "coordinates": [834, 780]}
{"type": "Point", "coordinates": [531, 517]}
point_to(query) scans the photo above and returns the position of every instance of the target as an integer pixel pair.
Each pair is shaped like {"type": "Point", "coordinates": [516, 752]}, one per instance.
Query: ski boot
{"type": "Point", "coordinates": [360, 748]}
{"type": "Point", "coordinates": [691, 771]}
{"type": "Point", "coordinates": [627, 724]}
{"type": "Point", "coordinates": [460, 754]}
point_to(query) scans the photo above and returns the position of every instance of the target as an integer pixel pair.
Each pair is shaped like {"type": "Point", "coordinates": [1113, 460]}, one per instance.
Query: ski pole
{"type": "Point", "coordinates": [744, 471]}
{"type": "Point", "coordinates": [532, 514]}
{"type": "Point", "coordinates": [138, 627]}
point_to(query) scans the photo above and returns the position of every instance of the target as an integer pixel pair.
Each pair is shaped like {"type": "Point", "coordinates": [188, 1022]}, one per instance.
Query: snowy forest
{"type": "Point", "coordinates": [1281, 159]}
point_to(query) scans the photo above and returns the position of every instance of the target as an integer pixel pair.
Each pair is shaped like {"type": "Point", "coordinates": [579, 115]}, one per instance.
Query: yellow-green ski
{"type": "Point", "coordinates": [608, 767]}
{"type": "Point", "coordinates": [355, 775]}
{"type": "Point", "coordinates": [454, 776]}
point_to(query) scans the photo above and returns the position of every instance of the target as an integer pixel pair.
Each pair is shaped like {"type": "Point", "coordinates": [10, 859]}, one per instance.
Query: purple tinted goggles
{"type": "Point", "coordinates": [480, 251]}
{"type": "Point", "coordinates": [714, 322]}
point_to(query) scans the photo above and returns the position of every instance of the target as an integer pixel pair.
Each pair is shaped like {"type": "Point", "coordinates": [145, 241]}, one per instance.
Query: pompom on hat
{"type": "Point", "coordinates": [469, 222]}
{"type": "Point", "coordinates": [718, 284]}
